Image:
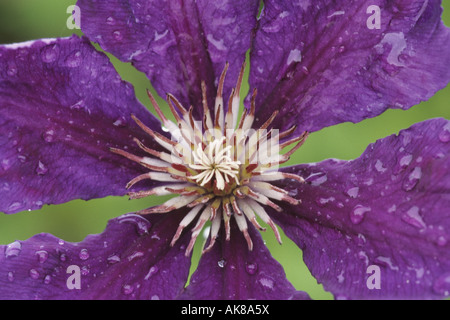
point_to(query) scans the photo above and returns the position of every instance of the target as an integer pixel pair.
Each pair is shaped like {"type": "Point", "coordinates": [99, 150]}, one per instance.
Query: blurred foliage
{"type": "Point", "coordinates": [22, 20]}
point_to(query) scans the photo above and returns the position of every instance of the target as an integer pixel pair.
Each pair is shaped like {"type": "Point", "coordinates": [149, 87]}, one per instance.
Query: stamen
{"type": "Point", "coordinates": [216, 170]}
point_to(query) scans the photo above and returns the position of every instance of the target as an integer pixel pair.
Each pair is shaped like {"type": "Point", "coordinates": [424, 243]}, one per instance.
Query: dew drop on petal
{"type": "Point", "coordinates": [34, 274]}
{"type": "Point", "coordinates": [15, 206]}
{"type": "Point", "coordinates": [266, 283]}
{"type": "Point", "coordinates": [111, 21]}
{"type": "Point", "coordinates": [42, 256]}
{"type": "Point", "coordinates": [47, 279]}
{"type": "Point", "coordinates": [413, 217]}
{"type": "Point", "coordinates": [113, 259]}
{"type": "Point", "coordinates": [41, 169]}
{"type": "Point", "coordinates": [13, 249]}
{"type": "Point", "coordinates": [142, 225]}
{"type": "Point", "coordinates": [442, 284]}
{"type": "Point", "coordinates": [6, 164]}
{"type": "Point", "coordinates": [353, 192]}
{"type": "Point", "coordinates": [74, 59]}
{"type": "Point", "coordinates": [120, 122]}
{"type": "Point", "coordinates": [62, 257]}
{"type": "Point", "coordinates": [50, 53]}
{"type": "Point", "coordinates": [85, 270]}
{"type": "Point", "coordinates": [442, 241]}
{"type": "Point", "coordinates": [444, 136]}
{"type": "Point", "coordinates": [316, 179]}
{"type": "Point", "coordinates": [48, 135]}
{"type": "Point", "coordinates": [12, 70]}
{"type": "Point", "coordinates": [10, 276]}
{"type": "Point", "coordinates": [411, 181]}
{"type": "Point", "coordinates": [251, 268]}
{"type": "Point", "coordinates": [153, 270]}
{"type": "Point", "coordinates": [127, 289]}
{"type": "Point", "coordinates": [84, 254]}
{"type": "Point", "coordinates": [117, 35]}
{"type": "Point", "coordinates": [222, 263]}
{"type": "Point", "coordinates": [358, 213]}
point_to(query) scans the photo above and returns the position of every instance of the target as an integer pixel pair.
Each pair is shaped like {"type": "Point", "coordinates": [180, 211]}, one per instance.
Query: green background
{"type": "Point", "coordinates": [22, 20]}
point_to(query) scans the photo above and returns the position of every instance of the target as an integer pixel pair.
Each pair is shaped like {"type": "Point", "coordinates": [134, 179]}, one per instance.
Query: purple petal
{"type": "Point", "coordinates": [231, 271]}
{"type": "Point", "coordinates": [389, 208]}
{"type": "Point", "coordinates": [62, 106]}
{"type": "Point", "coordinates": [177, 44]}
{"type": "Point", "coordinates": [320, 64]}
{"type": "Point", "coordinates": [131, 259]}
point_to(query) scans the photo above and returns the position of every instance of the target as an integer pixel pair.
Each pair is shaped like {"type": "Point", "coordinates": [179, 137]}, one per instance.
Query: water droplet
{"type": "Point", "coordinates": [22, 158]}
{"type": "Point", "coordinates": [316, 179]}
{"type": "Point", "coordinates": [12, 70]}
{"type": "Point", "coordinates": [358, 213]}
{"type": "Point", "coordinates": [444, 136]}
{"type": "Point", "coordinates": [379, 166]}
{"type": "Point", "coordinates": [10, 276]}
{"type": "Point", "coordinates": [142, 224]}
{"type": "Point", "coordinates": [411, 181]}
{"type": "Point", "coordinates": [73, 60]}
{"type": "Point", "coordinates": [61, 242]}
{"type": "Point", "coordinates": [251, 268]}
{"type": "Point", "coordinates": [13, 249]}
{"type": "Point", "coordinates": [267, 283]}
{"type": "Point", "coordinates": [120, 122]}
{"type": "Point", "coordinates": [127, 289]}
{"type": "Point", "coordinates": [34, 274]}
{"type": "Point", "coordinates": [442, 284]}
{"type": "Point", "coordinates": [222, 263]}
{"type": "Point", "coordinates": [84, 254]}
{"type": "Point", "coordinates": [153, 270]}
{"type": "Point", "coordinates": [41, 169]}
{"type": "Point", "coordinates": [414, 218]}
{"type": "Point", "coordinates": [15, 206]}
{"type": "Point", "coordinates": [6, 164]}
{"type": "Point", "coordinates": [113, 259]}
{"type": "Point", "coordinates": [48, 135]}
{"type": "Point", "coordinates": [111, 21]}
{"type": "Point", "coordinates": [442, 241]}
{"type": "Point", "coordinates": [50, 53]}
{"type": "Point", "coordinates": [62, 257]}
{"type": "Point", "coordinates": [353, 192]}
{"type": "Point", "coordinates": [47, 279]}
{"type": "Point", "coordinates": [323, 201]}
{"type": "Point", "coordinates": [42, 256]}
{"type": "Point", "coordinates": [386, 261]}
{"type": "Point", "coordinates": [117, 35]}
{"type": "Point", "coordinates": [135, 255]}
{"type": "Point", "coordinates": [84, 270]}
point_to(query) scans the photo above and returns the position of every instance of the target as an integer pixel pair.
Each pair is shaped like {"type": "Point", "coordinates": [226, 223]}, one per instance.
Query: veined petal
{"type": "Point", "coordinates": [322, 63]}
{"type": "Point", "coordinates": [131, 259]}
{"type": "Point", "coordinates": [387, 209]}
{"type": "Point", "coordinates": [62, 107]}
{"type": "Point", "coordinates": [177, 44]}
{"type": "Point", "coordinates": [229, 271]}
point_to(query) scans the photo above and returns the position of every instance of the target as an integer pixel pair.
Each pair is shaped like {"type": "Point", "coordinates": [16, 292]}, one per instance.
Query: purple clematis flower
{"type": "Point", "coordinates": [70, 128]}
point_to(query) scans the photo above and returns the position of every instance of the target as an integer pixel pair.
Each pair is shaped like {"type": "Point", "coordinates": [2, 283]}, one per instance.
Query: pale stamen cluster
{"type": "Point", "coordinates": [221, 169]}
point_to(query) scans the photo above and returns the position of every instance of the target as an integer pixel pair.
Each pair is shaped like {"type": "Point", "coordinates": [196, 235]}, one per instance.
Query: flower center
{"type": "Point", "coordinates": [215, 164]}
{"type": "Point", "coordinates": [221, 169]}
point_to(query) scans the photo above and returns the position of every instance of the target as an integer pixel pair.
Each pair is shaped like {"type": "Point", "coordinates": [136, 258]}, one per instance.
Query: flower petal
{"type": "Point", "coordinates": [131, 259]}
{"type": "Point", "coordinates": [231, 271]}
{"type": "Point", "coordinates": [177, 44]}
{"type": "Point", "coordinates": [62, 106]}
{"type": "Point", "coordinates": [387, 209]}
{"type": "Point", "coordinates": [320, 64]}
